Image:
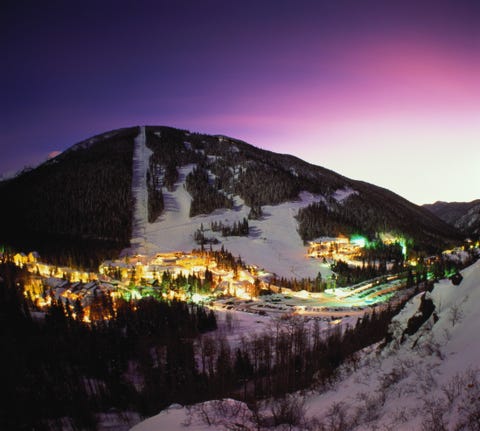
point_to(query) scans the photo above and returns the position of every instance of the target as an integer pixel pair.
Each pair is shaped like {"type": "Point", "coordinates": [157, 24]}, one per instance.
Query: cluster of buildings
{"type": "Point", "coordinates": [89, 297]}
{"type": "Point", "coordinates": [130, 277]}
{"type": "Point", "coordinates": [148, 269]}
{"type": "Point", "coordinates": [33, 264]}
{"type": "Point", "coordinates": [349, 250]}
{"type": "Point", "coordinates": [336, 248]}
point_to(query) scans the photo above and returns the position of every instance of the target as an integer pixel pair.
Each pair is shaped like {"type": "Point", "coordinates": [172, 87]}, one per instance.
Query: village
{"type": "Point", "coordinates": [207, 278]}
{"type": "Point", "coordinates": [349, 250]}
{"type": "Point", "coordinates": [181, 276]}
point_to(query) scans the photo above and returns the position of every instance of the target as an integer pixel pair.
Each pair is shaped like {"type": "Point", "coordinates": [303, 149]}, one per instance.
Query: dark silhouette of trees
{"type": "Point", "coordinates": [205, 197]}
{"type": "Point", "coordinates": [62, 367]}
{"type": "Point", "coordinates": [239, 228]}
{"type": "Point", "coordinates": [358, 213]}
{"type": "Point", "coordinates": [77, 206]}
{"type": "Point", "coordinates": [255, 212]}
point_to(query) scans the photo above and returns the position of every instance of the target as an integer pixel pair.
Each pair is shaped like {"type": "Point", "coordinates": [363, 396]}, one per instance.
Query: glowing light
{"type": "Point", "coordinates": [135, 294]}
{"type": "Point", "coordinates": [299, 309]}
{"type": "Point", "coordinates": [302, 294]}
{"type": "Point", "coordinates": [358, 240]}
{"type": "Point", "coordinates": [197, 298]}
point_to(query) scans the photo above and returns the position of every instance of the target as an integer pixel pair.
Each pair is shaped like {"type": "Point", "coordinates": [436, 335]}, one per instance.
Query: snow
{"type": "Point", "coordinates": [141, 156]}
{"type": "Point", "coordinates": [428, 380]}
{"type": "Point", "coordinates": [234, 326]}
{"type": "Point", "coordinates": [173, 230]}
{"type": "Point", "coordinates": [211, 416]}
{"type": "Point", "coordinates": [273, 242]}
{"type": "Point", "coordinates": [423, 363]}
{"type": "Point", "coordinates": [340, 195]}
{"type": "Point", "coordinates": [93, 140]}
{"type": "Point", "coordinates": [171, 419]}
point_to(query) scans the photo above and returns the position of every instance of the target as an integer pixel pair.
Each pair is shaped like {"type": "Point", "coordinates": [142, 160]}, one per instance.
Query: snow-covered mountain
{"type": "Point", "coordinates": [465, 216]}
{"type": "Point", "coordinates": [470, 221]}
{"type": "Point", "coordinates": [152, 188]}
{"type": "Point", "coordinates": [428, 380]}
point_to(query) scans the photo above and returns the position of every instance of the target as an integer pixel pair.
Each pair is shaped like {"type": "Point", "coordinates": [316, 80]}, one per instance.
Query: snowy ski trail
{"type": "Point", "coordinates": [141, 156]}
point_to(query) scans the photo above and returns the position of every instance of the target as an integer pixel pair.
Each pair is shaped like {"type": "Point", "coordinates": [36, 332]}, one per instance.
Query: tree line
{"type": "Point", "coordinates": [359, 213]}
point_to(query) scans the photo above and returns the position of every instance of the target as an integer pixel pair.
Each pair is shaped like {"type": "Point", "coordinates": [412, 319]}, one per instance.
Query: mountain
{"type": "Point", "coordinates": [151, 188]}
{"type": "Point", "coordinates": [470, 222]}
{"type": "Point", "coordinates": [464, 216]}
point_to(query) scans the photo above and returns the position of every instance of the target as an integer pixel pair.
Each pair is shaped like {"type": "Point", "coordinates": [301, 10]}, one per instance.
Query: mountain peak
{"type": "Point", "coordinates": [464, 216]}
{"type": "Point", "coordinates": [178, 179]}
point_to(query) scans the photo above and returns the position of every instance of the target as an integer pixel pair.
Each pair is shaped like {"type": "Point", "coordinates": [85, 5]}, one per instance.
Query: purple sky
{"type": "Point", "coordinates": [383, 91]}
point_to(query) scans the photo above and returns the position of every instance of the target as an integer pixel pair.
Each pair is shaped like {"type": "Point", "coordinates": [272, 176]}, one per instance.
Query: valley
{"type": "Point", "coordinates": [240, 216]}
{"type": "Point", "coordinates": [227, 271]}
{"type": "Point", "coordinates": [223, 282]}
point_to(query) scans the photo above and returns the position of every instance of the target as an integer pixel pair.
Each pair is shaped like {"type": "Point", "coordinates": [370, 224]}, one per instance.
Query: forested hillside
{"type": "Point", "coordinates": [78, 207]}
{"type": "Point", "coordinates": [372, 211]}
{"type": "Point", "coordinates": [230, 167]}
{"type": "Point", "coordinates": [450, 212]}
{"type": "Point", "coordinates": [464, 216]}
{"type": "Point", "coordinates": [75, 206]}
{"type": "Point", "coordinates": [226, 167]}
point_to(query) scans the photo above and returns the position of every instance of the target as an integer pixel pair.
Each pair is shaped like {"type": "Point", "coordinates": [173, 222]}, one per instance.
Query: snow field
{"type": "Point", "coordinates": [402, 386]}
{"type": "Point", "coordinates": [273, 242]}
{"type": "Point", "coordinates": [141, 156]}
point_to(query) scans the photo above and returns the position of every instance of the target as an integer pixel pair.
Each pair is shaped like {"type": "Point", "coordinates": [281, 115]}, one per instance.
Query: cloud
{"type": "Point", "coordinates": [53, 154]}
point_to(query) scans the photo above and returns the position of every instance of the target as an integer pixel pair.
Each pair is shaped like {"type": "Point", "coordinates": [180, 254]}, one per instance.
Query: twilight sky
{"type": "Point", "coordinates": [383, 91]}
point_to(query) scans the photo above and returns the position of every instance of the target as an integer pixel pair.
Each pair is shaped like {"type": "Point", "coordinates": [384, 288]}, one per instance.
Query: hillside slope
{"type": "Point", "coordinates": [464, 216]}
{"type": "Point", "coordinates": [198, 180]}
{"type": "Point", "coordinates": [77, 206]}
{"type": "Point", "coordinates": [470, 221]}
{"type": "Point", "coordinates": [162, 188]}
{"type": "Point", "coordinates": [429, 380]}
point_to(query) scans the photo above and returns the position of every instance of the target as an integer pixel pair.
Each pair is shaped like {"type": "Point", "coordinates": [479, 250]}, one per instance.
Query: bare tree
{"type": "Point", "coordinates": [230, 414]}
{"type": "Point", "coordinates": [208, 352]}
{"type": "Point", "coordinates": [337, 417]}
{"type": "Point", "coordinates": [455, 314]}
{"type": "Point", "coordinates": [288, 410]}
{"type": "Point", "coordinates": [434, 412]}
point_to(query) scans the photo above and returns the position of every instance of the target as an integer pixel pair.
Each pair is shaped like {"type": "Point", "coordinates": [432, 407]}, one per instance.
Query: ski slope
{"type": "Point", "coordinates": [273, 243]}
{"type": "Point", "coordinates": [141, 156]}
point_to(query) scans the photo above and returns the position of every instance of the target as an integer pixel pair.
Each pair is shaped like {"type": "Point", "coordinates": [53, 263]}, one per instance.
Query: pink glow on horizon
{"type": "Point", "coordinates": [409, 104]}
{"type": "Point", "coordinates": [375, 90]}
{"type": "Point", "coordinates": [374, 78]}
